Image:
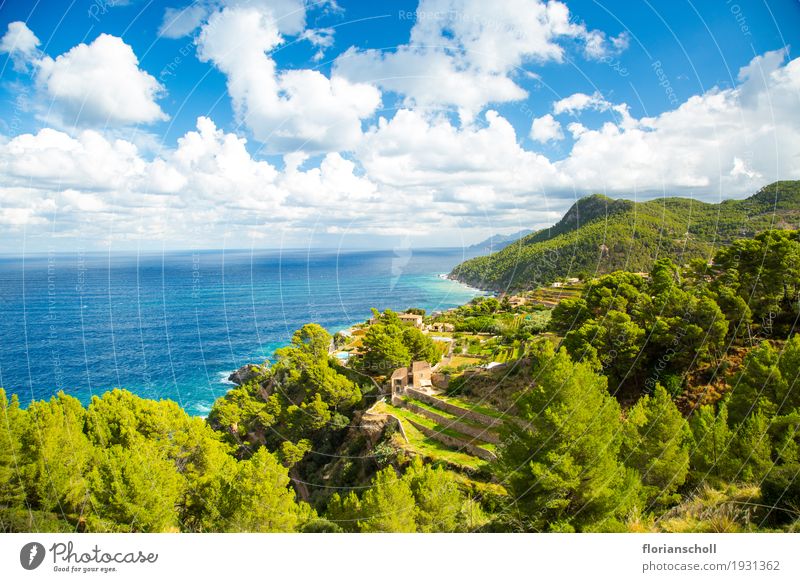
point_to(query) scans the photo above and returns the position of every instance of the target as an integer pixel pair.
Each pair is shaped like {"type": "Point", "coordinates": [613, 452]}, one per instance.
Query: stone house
{"type": "Point", "coordinates": [411, 318]}
{"type": "Point", "coordinates": [418, 377]}
{"type": "Point", "coordinates": [441, 326]}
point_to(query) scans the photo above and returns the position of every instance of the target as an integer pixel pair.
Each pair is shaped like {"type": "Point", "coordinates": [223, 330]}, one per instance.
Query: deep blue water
{"type": "Point", "coordinates": [175, 325]}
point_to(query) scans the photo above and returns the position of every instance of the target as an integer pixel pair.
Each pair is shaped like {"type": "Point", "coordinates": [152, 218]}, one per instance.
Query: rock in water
{"type": "Point", "coordinates": [247, 373]}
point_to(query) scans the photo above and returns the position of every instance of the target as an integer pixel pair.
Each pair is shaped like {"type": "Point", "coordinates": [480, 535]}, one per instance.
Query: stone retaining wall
{"type": "Point", "coordinates": [483, 419]}
{"type": "Point", "coordinates": [480, 433]}
{"type": "Point", "coordinates": [454, 442]}
{"type": "Point", "coordinates": [391, 417]}
{"type": "Point", "coordinates": [399, 426]}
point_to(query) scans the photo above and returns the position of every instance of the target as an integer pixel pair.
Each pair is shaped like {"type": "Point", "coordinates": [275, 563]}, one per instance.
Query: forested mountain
{"type": "Point", "coordinates": [599, 235]}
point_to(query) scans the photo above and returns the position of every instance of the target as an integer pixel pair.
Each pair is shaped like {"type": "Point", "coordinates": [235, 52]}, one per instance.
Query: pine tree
{"type": "Point", "coordinates": [710, 458]}
{"type": "Point", "coordinates": [655, 443]}
{"type": "Point", "coordinates": [780, 490]}
{"type": "Point", "coordinates": [562, 467]}
{"type": "Point", "coordinates": [56, 455]}
{"type": "Point", "coordinates": [438, 499]}
{"type": "Point", "coordinates": [420, 346]}
{"type": "Point", "coordinates": [388, 506]}
{"type": "Point", "coordinates": [768, 381]}
{"type": "Point", "coordinates": [345, 512]}
{"type": "Point", "coordinates": [260, 499]}
{"type": "Point", "coordinates": [613, 341]}
{"type": "Point", "coordinates": [384, 350]}
{"type": "Point", "coordinates": [133, 489]}
{"type": "Point", "coordinates": [752, 448]}
{"type": "Point", "coordinates": [786, 434]}
{"type": "Point", "coordinates": [568, 314]}
{"type": "Point", "coordinates": [202, 507]}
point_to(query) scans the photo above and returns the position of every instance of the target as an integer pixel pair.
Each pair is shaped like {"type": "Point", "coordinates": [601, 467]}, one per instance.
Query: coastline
{"type": "Point", "coordinates": [478, 290]}
{"type": "Point", "coordinates": [349, 330]}
{"type": "Point", "coordinates": [167, 329]}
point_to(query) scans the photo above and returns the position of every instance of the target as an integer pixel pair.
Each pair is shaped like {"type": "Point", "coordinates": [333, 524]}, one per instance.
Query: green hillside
{"type": "Point", "coordinates": [599, 234]}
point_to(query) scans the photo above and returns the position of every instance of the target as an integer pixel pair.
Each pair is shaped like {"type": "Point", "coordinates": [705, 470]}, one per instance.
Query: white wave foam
{"type": "Point", "coordinates": [222, 378]}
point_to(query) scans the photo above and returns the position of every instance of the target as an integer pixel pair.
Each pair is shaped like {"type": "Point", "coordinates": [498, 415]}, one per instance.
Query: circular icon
{"type": "Point", "coordinates": [31, 555]}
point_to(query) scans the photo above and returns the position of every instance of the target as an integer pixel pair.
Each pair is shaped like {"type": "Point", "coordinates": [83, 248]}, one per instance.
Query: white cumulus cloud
{"type": "Point", "coordinates": [289, 15]}
{"type": "Point", "coordinates": [466, 54]}
{"type": "Point", "coordinates": [695, 146]}
{"type": "Point", "coordinates": [20, 44]}
{"type": "Point", "coordinates": [545, 129]}
{"type": "Point", "coordinates": [100, 84]}
{"type": "Point", "coordinates": [577, 102]}
{"type": "Point", "coordinates": [289, 109]}
{"type": "Point", "coordinates": [89, 185]}
{"type": "Point", "coordinates": [180, 22]}
{"type": "Point", "coordinates": [457, 175]}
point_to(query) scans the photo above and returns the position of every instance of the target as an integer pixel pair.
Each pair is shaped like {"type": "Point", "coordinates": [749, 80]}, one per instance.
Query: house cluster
{"type": "Point", "coordinates": [417, 376]}
{"type": "Point", "coordinates": [418, 321]}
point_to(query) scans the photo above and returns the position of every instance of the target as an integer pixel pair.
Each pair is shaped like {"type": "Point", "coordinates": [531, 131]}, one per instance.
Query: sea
{"type": "Point", "coordinates": [175, 325]}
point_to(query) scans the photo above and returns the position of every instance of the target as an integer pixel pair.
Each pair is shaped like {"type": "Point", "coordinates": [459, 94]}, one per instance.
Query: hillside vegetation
{"type": "Point", "coordinates": [662, 401]}
{"type": "Point", "coordinates": [599, 235]}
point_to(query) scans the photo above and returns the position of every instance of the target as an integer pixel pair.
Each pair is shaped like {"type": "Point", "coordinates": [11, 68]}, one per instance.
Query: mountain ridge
{"type": "Point", "coordinates": [599, 234]}
{"type": "Point", "coordinates": [498, 242]}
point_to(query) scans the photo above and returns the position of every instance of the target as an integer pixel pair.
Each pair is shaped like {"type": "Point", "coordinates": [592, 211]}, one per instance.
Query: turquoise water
{"type": "Point", "coordinates": [175, 325]}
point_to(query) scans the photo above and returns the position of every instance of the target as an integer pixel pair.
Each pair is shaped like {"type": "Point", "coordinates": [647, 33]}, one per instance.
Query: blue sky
{"type": "Point", "coordinates": [267, 123]}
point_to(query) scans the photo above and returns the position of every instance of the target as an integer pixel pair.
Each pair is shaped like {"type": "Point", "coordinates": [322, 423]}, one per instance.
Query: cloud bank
{"type": "Point", "coordinates": [442, 163]}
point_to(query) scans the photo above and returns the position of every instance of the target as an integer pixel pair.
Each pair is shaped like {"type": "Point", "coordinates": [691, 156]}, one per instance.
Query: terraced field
{"type": "Point", "coordinates": [427, 447]}
{"type": "Point", "coordinates": [446, 428]}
